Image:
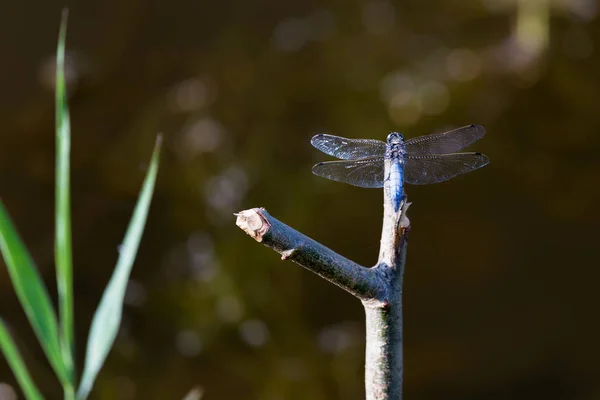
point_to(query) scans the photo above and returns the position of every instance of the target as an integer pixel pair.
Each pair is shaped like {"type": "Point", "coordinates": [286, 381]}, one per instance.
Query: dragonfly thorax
{"type": "Point", "coordinates": [395, 147]}
{"type": "Point", "coordinates": [395, 138]}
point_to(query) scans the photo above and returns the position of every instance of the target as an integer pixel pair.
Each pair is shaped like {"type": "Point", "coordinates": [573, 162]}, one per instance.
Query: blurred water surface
{"type": "Point", "coordinates": [501, 282]}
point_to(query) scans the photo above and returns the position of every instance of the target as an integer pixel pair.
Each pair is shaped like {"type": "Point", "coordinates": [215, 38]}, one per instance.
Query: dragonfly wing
{"type": "Point", "coordinates": [447, 142]}
{"type": "Point", "coordinates": [423, 169]}
{"type": "Point", "coordinates": [366, 173]}
{"type": "Point", "coordinates": [348, 149]}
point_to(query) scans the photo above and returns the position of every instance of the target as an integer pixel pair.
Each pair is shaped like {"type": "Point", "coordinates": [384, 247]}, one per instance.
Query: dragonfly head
{"type": "Point", "coordinates": [395, 138]}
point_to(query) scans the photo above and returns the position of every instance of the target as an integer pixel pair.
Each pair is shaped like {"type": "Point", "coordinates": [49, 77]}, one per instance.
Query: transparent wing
{"type": "Point", "coordinates": [348, 149]}
{"type": "Point", "coordinates": [366, 173]}
{"type": "Point", "coordinates": [423, 169]}
{"type": "Point", "coordinates": [447, 142]}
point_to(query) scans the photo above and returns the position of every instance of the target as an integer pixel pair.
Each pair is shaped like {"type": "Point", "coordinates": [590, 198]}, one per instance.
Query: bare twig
{"type": "Point", "coordinates": [362, 282]}
{"type": "Point", "coordinates": [379, 288]}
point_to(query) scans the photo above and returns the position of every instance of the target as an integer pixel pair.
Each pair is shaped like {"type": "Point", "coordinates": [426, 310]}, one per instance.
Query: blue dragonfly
{"type": "Point", "coordinates": [418, 161]}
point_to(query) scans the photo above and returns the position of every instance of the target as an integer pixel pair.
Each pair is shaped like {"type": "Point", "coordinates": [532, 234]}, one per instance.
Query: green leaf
{"type": "Point", "coordinates": [11, 352]}
{"type": "Point", "coordinates": [107, 318]}
{"type": "Point", "coordinates": [62, 241]}
{"type": "Point", "coordinates": [31, 292]}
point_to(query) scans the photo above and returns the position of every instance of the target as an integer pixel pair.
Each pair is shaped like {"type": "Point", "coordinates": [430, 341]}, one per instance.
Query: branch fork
{"type": "Point", "coordinates": [379, 288]}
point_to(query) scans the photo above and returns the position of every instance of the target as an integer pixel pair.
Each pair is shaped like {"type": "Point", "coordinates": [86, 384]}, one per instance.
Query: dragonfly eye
{"type": "Point", "coordinates": [395, 137]}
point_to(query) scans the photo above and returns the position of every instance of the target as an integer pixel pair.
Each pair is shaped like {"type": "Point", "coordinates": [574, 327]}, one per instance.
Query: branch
{"type": "Point", "coordinates": [379, 288]}
{"type": "Point", "coordinates": [364, 283]}
{"type": "Point", "coordinates": [384, 353]}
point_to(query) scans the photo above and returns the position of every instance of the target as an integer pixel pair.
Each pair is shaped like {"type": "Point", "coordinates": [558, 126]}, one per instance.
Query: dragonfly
{"type": "Point", "coordinates": [417, 161]}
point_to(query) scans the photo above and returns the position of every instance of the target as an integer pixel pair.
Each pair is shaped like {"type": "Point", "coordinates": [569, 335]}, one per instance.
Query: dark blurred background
{"type": "Point", "coordinates": [501, 281]}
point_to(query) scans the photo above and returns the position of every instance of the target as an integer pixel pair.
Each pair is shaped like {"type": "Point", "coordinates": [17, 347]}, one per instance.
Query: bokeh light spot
{"type": "Point", "coordinates": [335, 339]}
{"type": "Point", "coordinates": [188, 343]}
{"type": "Point", "coordinates": [463, 65]}
{"type": "Point", "coordinates": [7, 392]}
{"type": "Point", "coordinates": [189, 95]}
{"type": "Point", "coordinates": [434, 97]}
{"type": "Point", "coordinates": [225, 191]}
{"type": "Point", "coordinates": [229, 309]}
{"type": "Point", "coordinates": [405, 108]}
{"type": "Point", "coordinates": [254, 332]}
{"type": "Point", "coordinates": [291, 35]}
{"type": "Point", "coordinates": [200, 136]}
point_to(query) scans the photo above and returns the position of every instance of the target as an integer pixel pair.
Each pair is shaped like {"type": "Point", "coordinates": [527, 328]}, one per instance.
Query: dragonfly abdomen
{"type": "Point", "coordinates": [394, 156]}
{"type": "Point", "coordinates": [396, 181]}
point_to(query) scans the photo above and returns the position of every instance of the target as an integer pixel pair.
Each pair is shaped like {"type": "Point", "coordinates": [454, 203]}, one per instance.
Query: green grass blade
{"type": "Point", "coordinates": [31, 292]}
{"type": "Point", "coordinates": [62, 242]}
{"type": "Point", "coordinates": [15, 361]}
{"type": "Point", "coordinates": [107, 318]}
